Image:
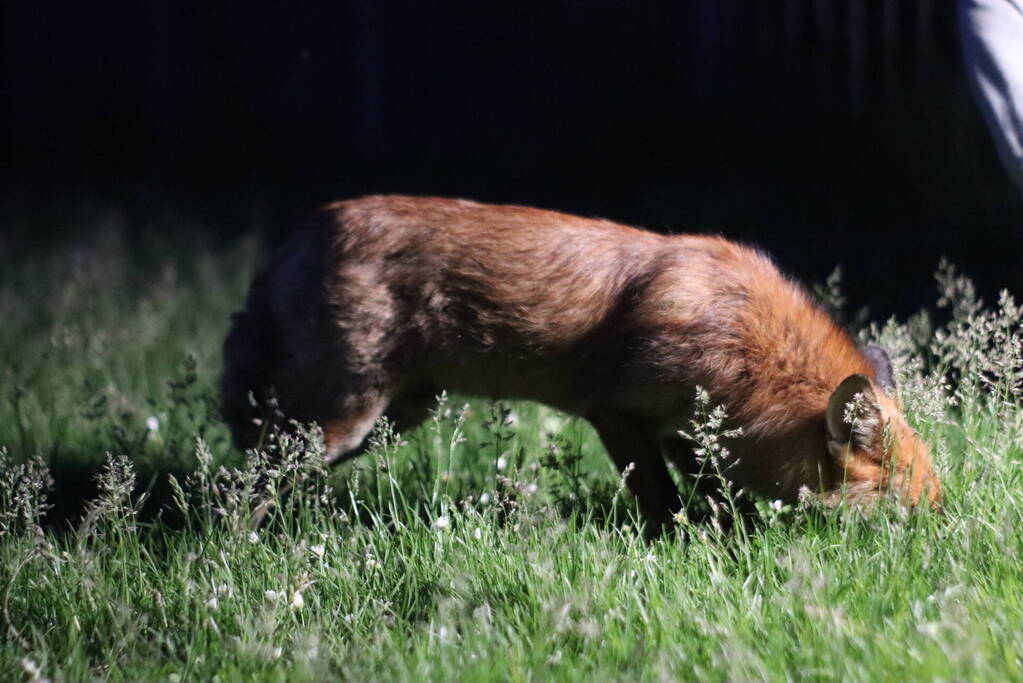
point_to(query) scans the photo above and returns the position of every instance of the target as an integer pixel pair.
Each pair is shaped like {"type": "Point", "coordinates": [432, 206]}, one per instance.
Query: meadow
{"type": "Point", "coordinates": [496, 542]}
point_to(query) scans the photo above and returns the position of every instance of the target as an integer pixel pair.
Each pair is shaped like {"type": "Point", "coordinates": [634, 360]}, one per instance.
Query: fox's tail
{"type": "Point", "coordinates": [245, 385]}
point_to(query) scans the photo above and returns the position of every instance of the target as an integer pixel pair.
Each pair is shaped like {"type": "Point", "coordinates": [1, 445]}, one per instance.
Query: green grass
{"type": "Point", "coordinates": [493, 543]}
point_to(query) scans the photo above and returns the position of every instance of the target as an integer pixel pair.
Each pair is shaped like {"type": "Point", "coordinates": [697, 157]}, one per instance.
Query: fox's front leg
{"type": "Point", "coordinates": [717, 497]}
{"type": "Point", "coordinates": [632, 444]}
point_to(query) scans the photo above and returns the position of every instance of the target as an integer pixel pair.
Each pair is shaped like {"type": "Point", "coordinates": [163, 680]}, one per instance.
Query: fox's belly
{"type": "Point", "coordinates": [551, 381]}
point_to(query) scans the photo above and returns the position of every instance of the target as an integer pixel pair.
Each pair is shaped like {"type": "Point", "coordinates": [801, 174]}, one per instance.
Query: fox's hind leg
{"type": "Point", "coordinates": [346, 437]}
{"type": "Point", "coordinates": [345, 429]}
{"type": "Point", "coordinates": [348, 424]}
{"type": "Point", "coordinates": [632, 444]}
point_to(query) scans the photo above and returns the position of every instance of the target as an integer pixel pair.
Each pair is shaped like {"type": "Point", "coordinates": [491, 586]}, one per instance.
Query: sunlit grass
{"type": "Point", "coordinates": [495, 542]}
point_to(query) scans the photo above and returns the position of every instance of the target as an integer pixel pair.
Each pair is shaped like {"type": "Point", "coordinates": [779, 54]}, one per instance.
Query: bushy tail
{"type": "Point", "coordinates": [248, 359]}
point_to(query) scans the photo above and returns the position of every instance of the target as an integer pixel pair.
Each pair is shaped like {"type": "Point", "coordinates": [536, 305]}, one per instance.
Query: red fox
{"type": "Point", "coordinates": [386, 300]}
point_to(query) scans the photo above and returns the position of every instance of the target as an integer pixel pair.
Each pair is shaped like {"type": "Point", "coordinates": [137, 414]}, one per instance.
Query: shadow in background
{"type": "Point", "coordinates": [825, 131]}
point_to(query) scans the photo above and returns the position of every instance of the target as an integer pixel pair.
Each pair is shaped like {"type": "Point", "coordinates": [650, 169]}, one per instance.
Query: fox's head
{"type": "Point", "coordinates": [874, 449]}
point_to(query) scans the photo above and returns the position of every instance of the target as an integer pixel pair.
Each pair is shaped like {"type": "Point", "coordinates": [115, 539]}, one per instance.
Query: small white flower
{"type": "Point", "coordinates": [502, 463]}
{"type": "Point", "coordinates": [318, 550]}
{"type": "Point", "coordinates": [588, 628]}
{"type": "Point", "coordinates": [297, 600]}
{"type": "Point", "coordinates": [650, 557]}
{"type": "Point", "coordinates": [531, 488]}
{"type": "Point", "coordinates": [805, 495]}
{"type": "Point", "coordinates": [276, 653]}
{"type": "Point", "coordinates": [253, 537]}
{"type": "Point", "coordinates": [776, 505]}
{"type": "Point", "coordinates": [512, 419]}
{"type": "Point", "coordinates": [32, 669]}
{"type": "Point", "coordinates": [442, 522]}
{"type": "Point", "coordinates": [272, 596]}
{"type": "Point", "coordinates": [477, 533]}
{"type": "Point", "coordinates": [213, 603]}
{"type": "Point", "coordinates": [349, 618]}
{"type": "Point", "coordinates": [152, 423]}
{"type": "Point", "coordinates": [484, 498]}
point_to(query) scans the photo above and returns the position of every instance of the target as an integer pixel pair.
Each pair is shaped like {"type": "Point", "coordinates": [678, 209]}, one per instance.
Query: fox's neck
{"type": "Point", "coordinates": [796, 355]}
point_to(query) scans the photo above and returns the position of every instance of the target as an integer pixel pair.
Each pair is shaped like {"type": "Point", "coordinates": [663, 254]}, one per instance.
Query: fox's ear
{"type": "Point", "coordinates": [878, 357]}
{"type": "Point", "coordinates": [850, 419]}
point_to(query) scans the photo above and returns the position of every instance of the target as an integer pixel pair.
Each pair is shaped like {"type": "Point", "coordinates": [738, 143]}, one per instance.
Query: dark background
{"type": "Point", "coordinates": [825, 131]}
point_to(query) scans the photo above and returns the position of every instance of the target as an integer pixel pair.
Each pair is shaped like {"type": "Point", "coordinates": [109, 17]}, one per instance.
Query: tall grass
{"type": "Point", "coordinates": [494, 542]}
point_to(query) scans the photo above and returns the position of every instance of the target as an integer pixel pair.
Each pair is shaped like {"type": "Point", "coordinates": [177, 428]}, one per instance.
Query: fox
{"type": "Point", "coordinates": [381, 302]}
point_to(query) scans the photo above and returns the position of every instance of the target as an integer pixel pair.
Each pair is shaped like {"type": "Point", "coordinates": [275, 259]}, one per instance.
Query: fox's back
{"type": "Point", "coordinates": [544, 277]}
{"type": "Point", "coordinates": [552, 304]}
{"type": "Point", "coordinates": [499, 275]}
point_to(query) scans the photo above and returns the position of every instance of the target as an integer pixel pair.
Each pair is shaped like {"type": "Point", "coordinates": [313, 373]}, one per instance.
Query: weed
{"type": "Point", "coordinates": [494, 542]}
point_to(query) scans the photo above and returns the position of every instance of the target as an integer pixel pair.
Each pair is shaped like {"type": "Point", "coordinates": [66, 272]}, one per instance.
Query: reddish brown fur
{"type": "Point", "coordinates": [388, 299]}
